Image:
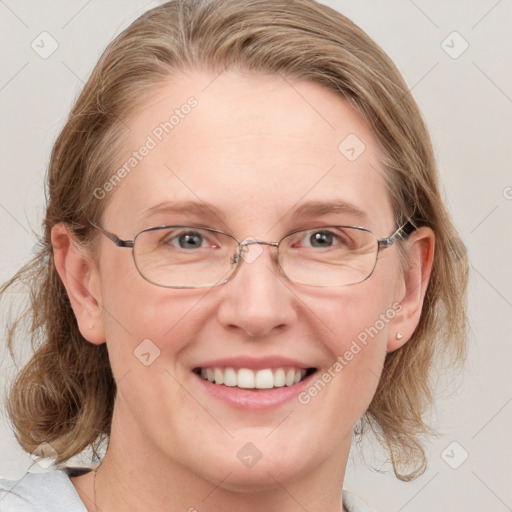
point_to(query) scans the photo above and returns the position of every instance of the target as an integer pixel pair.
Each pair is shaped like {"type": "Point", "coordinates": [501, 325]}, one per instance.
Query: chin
{"type": "Point", "coordinates": [243, 467]}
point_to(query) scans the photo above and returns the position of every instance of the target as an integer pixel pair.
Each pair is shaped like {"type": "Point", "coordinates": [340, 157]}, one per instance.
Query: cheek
{"type": "Point", "coordinates": [355, 327]}
{"type": "Point", "coordinates": [141, 318]}
{"type": "Point", "coordinates": [358, 316]}
{"type": "Point", "coordinates": [148, 329]}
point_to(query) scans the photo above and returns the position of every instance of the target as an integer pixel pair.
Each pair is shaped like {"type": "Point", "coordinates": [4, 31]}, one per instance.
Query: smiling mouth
{"type": "Point", "coordinates": [245, 378]}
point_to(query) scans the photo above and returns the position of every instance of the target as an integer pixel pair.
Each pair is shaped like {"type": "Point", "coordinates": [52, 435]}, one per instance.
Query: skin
{"type": "Point", "coordinates": [254, 149]}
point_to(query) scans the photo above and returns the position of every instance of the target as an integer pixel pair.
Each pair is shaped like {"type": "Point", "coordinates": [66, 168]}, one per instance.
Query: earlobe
{"type": "Point", "coordinates": [420, 255]}
{"type": "Point", "coordinates": [80, 278]}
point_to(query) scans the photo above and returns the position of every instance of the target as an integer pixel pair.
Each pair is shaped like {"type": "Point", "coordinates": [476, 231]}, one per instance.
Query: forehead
{"type": "Point", "coordinates": [253, 147]}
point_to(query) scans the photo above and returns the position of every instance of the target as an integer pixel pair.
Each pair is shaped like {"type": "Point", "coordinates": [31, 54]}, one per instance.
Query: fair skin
{"type": "Point", "coordinates": [255, 150]}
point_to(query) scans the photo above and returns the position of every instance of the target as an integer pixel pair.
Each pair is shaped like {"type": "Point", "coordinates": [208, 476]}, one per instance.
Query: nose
{"type": "Point", "coordinates": [257, 300]}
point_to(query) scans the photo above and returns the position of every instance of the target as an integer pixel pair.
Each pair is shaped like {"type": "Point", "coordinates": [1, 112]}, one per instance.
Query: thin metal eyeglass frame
{"type": "Point", "coordinates": [382, 243]}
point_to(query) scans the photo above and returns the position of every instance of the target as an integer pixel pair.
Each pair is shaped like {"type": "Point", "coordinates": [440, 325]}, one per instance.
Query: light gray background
{"type": "Point", "coordinates": [467, 102]}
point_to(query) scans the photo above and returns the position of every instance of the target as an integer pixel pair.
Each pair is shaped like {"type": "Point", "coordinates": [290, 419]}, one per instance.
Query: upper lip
{"type": "Point", "coordinates": [253, 363]}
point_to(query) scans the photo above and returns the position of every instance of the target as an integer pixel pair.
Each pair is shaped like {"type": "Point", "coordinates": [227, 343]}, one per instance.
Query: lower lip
{"type": "Point", "coordinates": [254, 399]}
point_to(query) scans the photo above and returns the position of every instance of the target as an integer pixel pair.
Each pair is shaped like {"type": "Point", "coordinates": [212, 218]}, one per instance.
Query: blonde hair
{"type": "Point", "coordinates": [65, 394]}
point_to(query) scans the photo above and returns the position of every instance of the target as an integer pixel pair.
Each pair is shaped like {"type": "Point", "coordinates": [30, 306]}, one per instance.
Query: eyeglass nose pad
{"type": "Point", "coordinates": [250, 255]}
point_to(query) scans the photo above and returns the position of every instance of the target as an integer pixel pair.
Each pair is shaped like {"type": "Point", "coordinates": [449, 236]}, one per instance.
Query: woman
{"type": "Point", "coordinates": [246, 260]}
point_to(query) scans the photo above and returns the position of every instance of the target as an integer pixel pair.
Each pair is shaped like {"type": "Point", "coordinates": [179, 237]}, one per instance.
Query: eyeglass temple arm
{"type": "Point", "coordinates": [114, 238]}
{"type": "Point", "coordinates": [399, 233]}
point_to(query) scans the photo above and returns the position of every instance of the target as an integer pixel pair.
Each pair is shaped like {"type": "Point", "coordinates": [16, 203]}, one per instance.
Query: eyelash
{"type": "Point", "coordinates": [340, 237]}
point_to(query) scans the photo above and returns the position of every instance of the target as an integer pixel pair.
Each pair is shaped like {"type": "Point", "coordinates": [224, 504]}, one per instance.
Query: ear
{"type": "Point", "coordinates": [419, 249]}
{"type": "Point", "coordinates": [80, 277]}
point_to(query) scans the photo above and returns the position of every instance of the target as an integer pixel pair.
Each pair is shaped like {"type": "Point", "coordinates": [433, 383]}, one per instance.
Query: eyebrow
{"type": "Point", "coordinates": [185, 207]}
{"type": "Point", "coordinates": [317, 208]}
{"type": "Point", "coordinates": [307, 209]}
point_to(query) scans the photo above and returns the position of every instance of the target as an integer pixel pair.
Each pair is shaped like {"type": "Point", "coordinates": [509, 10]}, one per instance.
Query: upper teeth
{"type": "Point", "coordinates": [261, 379]}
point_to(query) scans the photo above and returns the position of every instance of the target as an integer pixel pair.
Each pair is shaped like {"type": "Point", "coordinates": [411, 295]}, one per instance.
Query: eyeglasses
{"type": "Point", "coordinates": [198, 257]}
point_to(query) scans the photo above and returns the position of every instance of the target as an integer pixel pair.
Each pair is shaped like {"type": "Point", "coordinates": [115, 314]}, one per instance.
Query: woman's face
{"type": "Point", "coordinates": [246, 156]}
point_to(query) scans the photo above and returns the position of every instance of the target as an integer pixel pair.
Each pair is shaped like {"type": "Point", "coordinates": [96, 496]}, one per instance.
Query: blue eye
{"type": "Point", "coordinates": [190, 240]}
{"type": "Point", "coordinates": [321, 239]}
{"type": "Point", "coordinates": [324, 239]}
{"type": "Point", "coordinates": [186, 240]}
